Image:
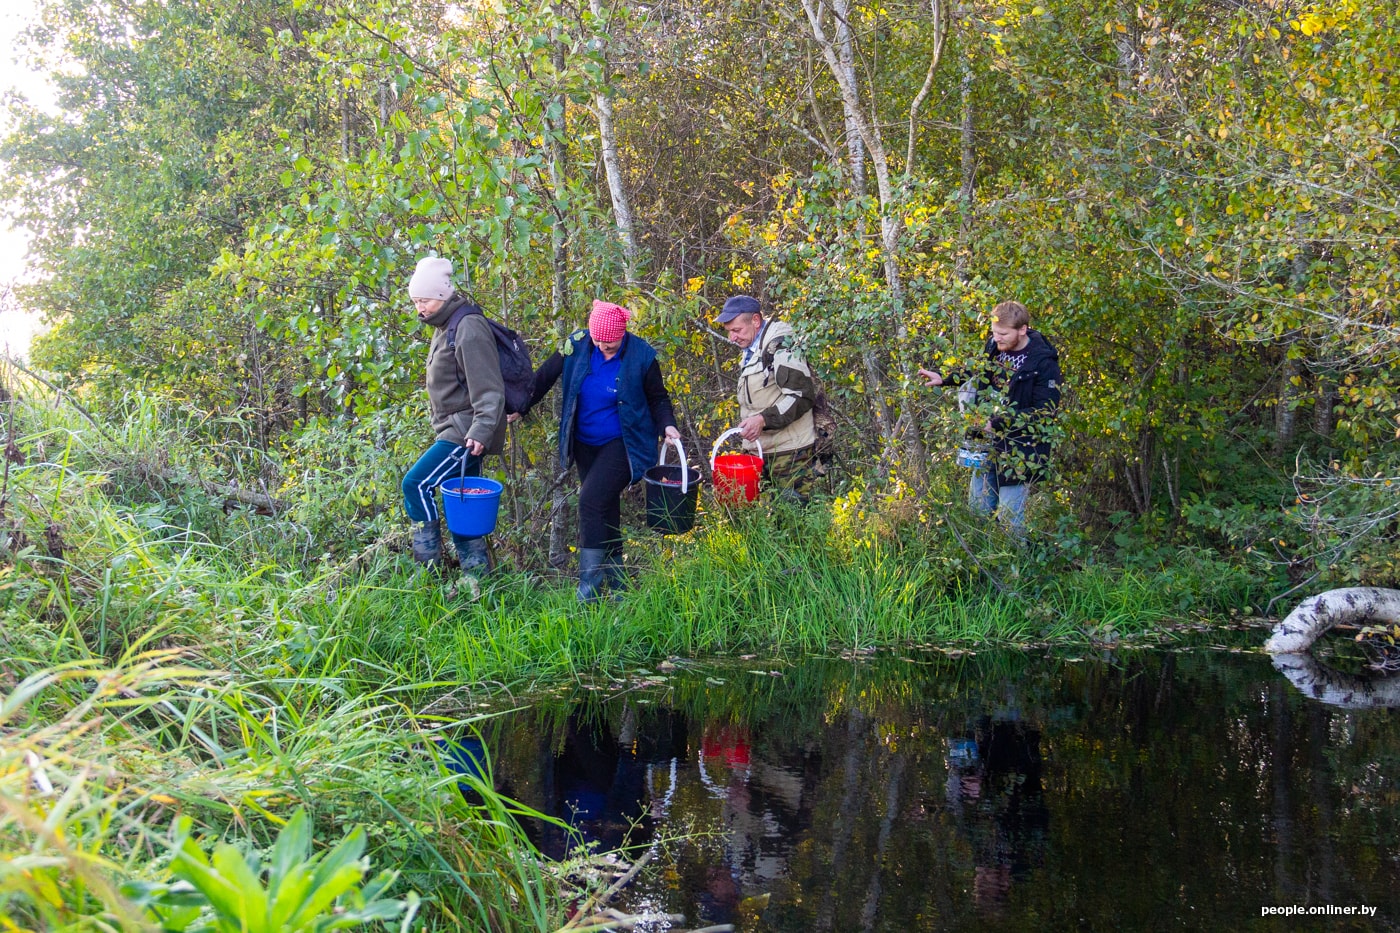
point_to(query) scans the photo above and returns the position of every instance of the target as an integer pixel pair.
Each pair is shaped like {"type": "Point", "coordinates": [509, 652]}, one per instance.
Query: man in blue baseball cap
{"type": "Point", "coordinates": [776, 397]}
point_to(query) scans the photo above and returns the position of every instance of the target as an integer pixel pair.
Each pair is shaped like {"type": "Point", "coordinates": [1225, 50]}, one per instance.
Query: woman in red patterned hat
{"type": "Point", "coordinates": [614, 408]}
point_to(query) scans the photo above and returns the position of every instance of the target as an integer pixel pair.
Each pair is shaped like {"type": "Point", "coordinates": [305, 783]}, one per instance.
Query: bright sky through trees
{"type": "Point", "coordinates": [16, 326]}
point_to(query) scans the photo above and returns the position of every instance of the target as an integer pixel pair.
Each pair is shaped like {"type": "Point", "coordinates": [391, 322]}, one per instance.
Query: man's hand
{"type": "Point", "coordinates": [672, 434]}
{"type": "Point", "coordinates": [751, 427]}
{"type": "Point", "coordinates": [474, 447]}
{"type": "Point", "coordinates": [931, 377]}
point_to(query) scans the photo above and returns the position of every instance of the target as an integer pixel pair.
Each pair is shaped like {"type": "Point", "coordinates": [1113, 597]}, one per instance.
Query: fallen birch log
{"type": "Point", "coordinates": [1356, 605]}
{"type": "Point", "coordinates": [258, 500]}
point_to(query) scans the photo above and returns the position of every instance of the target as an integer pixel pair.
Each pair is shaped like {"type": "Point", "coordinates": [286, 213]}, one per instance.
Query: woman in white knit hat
{"type": "Point", "coordinates": [466, 398]}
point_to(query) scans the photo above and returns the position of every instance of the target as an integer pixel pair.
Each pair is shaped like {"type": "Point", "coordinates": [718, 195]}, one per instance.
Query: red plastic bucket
{"type": "Point", "coordinates": [736, 476]}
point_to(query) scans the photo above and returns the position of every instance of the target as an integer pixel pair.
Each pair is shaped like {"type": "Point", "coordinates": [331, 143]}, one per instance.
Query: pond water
{"type": "Point", "coordinates": [1143, 790]}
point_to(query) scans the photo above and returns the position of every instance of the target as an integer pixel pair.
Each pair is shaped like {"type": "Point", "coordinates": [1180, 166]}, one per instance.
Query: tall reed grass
{"type": "Point", "coordinates": [99, 760]}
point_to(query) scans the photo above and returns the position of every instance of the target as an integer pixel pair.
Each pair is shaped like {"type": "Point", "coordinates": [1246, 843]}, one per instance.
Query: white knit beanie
{"type": "Point", "coordinates": [432, 279]}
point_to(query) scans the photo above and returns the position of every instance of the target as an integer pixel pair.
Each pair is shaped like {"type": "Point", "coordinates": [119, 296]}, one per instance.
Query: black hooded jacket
{"type": "Point", "coordinates": [1033, 393]}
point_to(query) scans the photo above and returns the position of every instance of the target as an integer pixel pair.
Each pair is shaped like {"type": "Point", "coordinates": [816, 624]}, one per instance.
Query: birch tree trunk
{"type": "Point", "coordinates": [1286, 416]}
{"type": "Point", "coordinates": [940, 36]}
{"type": "Point", "coordinates": [392, 139]}
{"type": "Point", "coordinates": [1290, 385]}
{"type": "Point", "coordinates": [903, 432]}
{"type": "Point", "coordinates": [855, 146]}
{"type": "Point", "coordinates": [968, 189]}
{"type": "Point", "coordinates": [1325, 403]}
{"type": "Point", "coordinates": [559, 260]}
{"type": "Point", "coordinates": [855, 158]}
{"type": "Point", "coordinates": [1129, 47]}
{"type": "Point", "coordinates": [1353, 605]}
{"type": "Point", "coordinates": [612, 166]}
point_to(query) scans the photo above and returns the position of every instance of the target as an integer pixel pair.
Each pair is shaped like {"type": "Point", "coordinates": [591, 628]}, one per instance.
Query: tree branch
{"type": "Point", "coordinates": [940, 35]}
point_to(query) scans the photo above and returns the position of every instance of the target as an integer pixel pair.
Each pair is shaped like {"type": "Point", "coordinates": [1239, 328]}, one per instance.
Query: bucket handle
{"type": "Point", "coordinates": [461, 473]}
{"type": "Point", "coordinates": [714, 451]}
{"type": "Point", "coordinates": [680, 458]}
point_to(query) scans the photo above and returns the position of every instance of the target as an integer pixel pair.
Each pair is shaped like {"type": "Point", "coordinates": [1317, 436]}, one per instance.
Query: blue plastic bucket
{"type": "Point", "coordinates": [471, 504]}
{"type": "Point", "coordinates": [972, 458]}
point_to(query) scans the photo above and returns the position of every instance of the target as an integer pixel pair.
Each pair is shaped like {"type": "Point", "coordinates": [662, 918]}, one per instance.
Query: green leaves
{"type": "Point", "coordinates": [302, 890]}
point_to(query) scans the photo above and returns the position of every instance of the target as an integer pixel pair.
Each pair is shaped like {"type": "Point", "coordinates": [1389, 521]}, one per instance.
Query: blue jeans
{"type": "Point", "coordinates": [441, 461]}
{"type": "Point", "coordinates": [988, 494]}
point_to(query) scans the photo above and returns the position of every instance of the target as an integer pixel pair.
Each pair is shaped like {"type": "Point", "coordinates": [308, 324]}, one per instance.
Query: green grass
{"type": "Point", "coordinates": [163, 657]}
{"type": "Point", "coordinates": [98, 760]}
{"type": "Point", "coordinates": [754, 585]}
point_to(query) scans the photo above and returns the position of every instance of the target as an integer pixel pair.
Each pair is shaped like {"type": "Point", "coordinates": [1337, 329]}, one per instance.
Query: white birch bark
{"type": "Point", "coordinates": [940, 35]}
{"type": "Point", "coordinates": [1315, 615]}
{"type": "Point", "coordinates": [890, 222]}
{"type": "Point", "coordinates": [612, 168]}
{"type": "Point", "coordinates": [855, 145]}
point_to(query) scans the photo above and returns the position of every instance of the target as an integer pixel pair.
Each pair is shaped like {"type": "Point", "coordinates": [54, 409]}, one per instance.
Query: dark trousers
{"type": "Point", "coordinates": [791, 474]}
{"type": "Point", "coordinates": [604, 472]}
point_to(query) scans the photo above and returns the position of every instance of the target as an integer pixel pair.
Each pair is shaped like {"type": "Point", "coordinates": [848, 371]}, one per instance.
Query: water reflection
{"type": "Point", "coordinates": [1338, 688]}
{"type": "Point", "coordinates": [1001, 792]}
{"type": "Point", "coordinates": [995, 799]}
{"type": "Point", "coordinates": [605, 780]}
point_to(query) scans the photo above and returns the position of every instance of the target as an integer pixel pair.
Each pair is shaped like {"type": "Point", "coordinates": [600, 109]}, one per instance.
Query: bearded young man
{"type": "Point", "coordinates": [1022, 370]}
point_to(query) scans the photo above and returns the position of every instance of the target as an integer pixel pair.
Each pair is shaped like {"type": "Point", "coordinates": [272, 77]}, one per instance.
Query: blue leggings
{"type": "Point", "coordinates": [441, 461]}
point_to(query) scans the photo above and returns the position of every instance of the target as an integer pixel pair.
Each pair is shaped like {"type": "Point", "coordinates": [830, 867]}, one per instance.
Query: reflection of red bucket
{"type": "Point", "coordinates": [729, 744]}
{"type": "Point", "coordinates": [736, 476]}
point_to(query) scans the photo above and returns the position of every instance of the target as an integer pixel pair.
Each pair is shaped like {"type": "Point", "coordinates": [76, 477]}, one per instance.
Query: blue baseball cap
{"type": "Point", "coordinates": [739, 304]}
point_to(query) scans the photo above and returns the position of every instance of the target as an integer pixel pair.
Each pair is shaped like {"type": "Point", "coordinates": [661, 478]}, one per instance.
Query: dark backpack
{"type": "Point", "coordinates": [823, 421]}
{"type": "Point", "coordinates": [516, 370]}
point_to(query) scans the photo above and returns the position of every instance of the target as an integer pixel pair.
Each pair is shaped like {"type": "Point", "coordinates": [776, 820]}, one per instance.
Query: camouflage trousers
{"type": "Point", "coordinates": [791, 474]}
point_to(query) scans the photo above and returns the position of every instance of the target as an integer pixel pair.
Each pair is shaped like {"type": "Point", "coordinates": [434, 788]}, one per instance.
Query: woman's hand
{"type": "Point", "coordinates": [931, 377]}
{"type": "Point", "coordinates": [672, 434]}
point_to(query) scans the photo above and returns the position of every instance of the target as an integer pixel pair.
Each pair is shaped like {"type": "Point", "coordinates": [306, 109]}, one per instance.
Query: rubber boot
{"type": "Point", "coordinates": [473, 556]}
{"type": "Point", "coordinates": [427, 544]}
{"type": "Point", "coordinates": [616, 574]}
{"type": "Point", "coordinates": [590, 573]}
